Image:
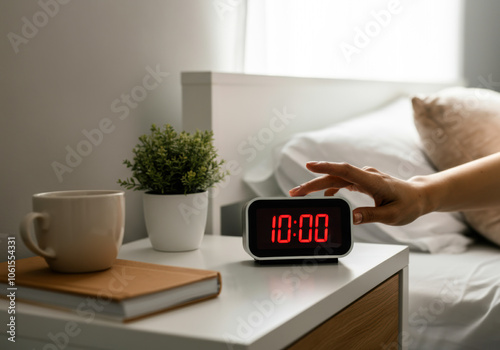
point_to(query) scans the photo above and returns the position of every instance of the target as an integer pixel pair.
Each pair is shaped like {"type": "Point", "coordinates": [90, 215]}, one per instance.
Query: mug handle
{"type": "Point", "coordinates": [26, 236]}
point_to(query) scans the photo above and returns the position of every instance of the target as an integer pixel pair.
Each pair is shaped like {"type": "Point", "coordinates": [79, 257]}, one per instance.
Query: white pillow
{"type": "Point", "coordinates": [387, 140]}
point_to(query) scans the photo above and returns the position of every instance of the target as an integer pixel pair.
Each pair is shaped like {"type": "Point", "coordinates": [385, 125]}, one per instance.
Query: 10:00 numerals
{"type": "Point", "coordinates": [283, 223]}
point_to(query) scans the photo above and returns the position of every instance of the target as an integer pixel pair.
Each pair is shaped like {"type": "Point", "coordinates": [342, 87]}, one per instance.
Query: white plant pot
{"type": "Point", "coordinates": [175, 222]}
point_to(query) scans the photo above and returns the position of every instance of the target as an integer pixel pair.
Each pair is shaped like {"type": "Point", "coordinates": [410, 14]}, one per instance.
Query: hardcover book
{"type": "Point", "coordinates": [126, 291]}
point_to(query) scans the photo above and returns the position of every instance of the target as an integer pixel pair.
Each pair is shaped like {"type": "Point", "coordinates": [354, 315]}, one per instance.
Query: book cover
{"type": "Point", "coordinates": [126, 291]}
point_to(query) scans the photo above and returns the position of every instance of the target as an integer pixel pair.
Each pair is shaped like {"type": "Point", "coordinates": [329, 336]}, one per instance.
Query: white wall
{"type": "Point", "coordinates": [67, 67]}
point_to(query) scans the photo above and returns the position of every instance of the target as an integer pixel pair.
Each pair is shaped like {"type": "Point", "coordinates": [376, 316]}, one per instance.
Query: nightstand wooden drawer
{"type": "Point", "coordinates": [368, 323]}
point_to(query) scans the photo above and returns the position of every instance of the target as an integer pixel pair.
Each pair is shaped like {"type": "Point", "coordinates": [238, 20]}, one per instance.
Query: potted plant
{"type": "Point", "coordinates": [175, 170]}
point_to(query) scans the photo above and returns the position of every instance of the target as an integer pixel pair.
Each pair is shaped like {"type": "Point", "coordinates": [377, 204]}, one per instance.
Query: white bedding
{"type": "Point", "coordinates": [454, 300]}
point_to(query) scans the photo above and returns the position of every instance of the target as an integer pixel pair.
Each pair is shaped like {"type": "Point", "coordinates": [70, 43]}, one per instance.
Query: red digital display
{"type": "Point", "coordinates": [282, 232]}
{"type": "Point", "coordinates": [283, 228]}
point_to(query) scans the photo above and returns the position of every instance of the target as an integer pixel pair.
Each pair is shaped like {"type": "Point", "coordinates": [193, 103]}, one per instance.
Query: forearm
{"type": "Point", "coordinates": [470, 186]}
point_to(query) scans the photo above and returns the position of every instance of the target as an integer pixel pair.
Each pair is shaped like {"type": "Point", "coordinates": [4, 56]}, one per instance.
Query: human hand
{"type": "Point", "coordinates": [397, 202]}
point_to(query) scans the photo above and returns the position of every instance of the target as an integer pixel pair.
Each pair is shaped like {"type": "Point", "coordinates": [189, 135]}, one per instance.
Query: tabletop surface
{"type": "Point", "coordinates": [259, 306]}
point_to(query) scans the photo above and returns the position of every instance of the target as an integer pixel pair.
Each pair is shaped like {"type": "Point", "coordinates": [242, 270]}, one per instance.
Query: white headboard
{"type": "Point", "coordinates": [249, 114]}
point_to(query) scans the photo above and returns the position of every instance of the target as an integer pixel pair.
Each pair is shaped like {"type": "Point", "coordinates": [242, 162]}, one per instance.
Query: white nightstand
{"type": "Point", "coordinates": [361, 302]}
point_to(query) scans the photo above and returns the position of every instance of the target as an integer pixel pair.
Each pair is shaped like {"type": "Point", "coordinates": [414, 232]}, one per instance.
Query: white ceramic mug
{"type": "Point", "coordinates": [76, 231]}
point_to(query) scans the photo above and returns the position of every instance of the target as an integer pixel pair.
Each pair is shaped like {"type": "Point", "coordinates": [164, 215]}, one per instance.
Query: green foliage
{"type": "Point", "coordinates": [167, 162]}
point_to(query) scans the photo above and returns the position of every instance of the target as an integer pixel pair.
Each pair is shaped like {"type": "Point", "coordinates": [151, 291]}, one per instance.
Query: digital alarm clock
{"type": "Point", "coordinates": [277, 229]}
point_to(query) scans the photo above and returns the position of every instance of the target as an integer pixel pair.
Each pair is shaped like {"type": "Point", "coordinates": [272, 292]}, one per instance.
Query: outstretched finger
{"type": "Point", "coordinates": [345, 171]}
{"type": "Point", "coordinates": [364, 180]}
{"type": "Point", "coordinates": [318, 184]}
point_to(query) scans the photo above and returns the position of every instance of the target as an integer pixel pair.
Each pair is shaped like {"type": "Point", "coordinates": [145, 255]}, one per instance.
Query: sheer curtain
{"type": "Point", "coordinates": [365, 39]}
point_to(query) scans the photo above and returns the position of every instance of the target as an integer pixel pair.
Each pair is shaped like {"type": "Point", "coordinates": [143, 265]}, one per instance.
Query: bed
{"type": "Point", "coordinates": [267, 127]}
